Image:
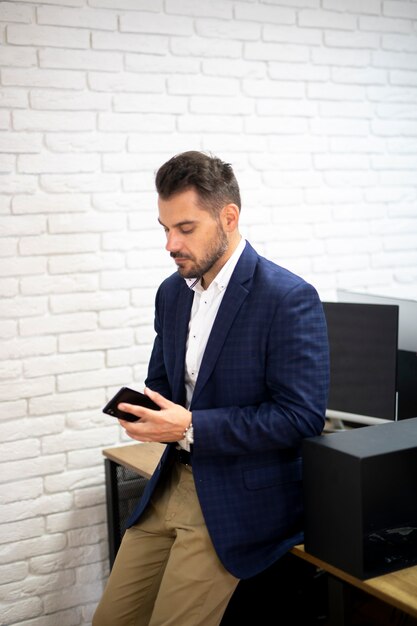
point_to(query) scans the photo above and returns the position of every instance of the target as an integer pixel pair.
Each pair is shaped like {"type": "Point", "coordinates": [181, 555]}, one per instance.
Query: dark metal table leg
{"type": "Point", "coordinates": [340, 608]}
{"type": "Point", "coordinates": [112, 501]}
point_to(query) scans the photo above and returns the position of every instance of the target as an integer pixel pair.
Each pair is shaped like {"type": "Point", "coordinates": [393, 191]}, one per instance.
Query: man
{"type": "Point", "coordinates": [239, 369]}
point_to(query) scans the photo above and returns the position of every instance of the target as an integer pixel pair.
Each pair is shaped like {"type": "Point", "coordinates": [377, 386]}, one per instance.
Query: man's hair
{"type": "Point", "coordinates": [213, 180]}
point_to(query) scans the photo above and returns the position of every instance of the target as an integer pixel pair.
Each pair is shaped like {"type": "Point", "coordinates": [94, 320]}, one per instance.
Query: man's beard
{"type": "Point", "coordinates": [215, 251]}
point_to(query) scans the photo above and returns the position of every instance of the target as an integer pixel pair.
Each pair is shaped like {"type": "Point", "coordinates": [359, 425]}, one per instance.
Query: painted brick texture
{"type": "Point", "coordinates": [314, 102]}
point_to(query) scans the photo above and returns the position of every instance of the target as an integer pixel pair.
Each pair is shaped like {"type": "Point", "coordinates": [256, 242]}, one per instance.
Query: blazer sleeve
{"type": "Point", "coordinates": [157, 378]}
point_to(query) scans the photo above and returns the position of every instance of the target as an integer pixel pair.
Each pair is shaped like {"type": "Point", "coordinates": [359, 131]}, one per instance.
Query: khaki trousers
{"type": "Point", "coordinates": [166, 571]}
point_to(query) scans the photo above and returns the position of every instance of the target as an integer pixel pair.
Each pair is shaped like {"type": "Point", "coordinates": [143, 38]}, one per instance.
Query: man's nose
{"type": "Point", "coordinates": [173, 242]}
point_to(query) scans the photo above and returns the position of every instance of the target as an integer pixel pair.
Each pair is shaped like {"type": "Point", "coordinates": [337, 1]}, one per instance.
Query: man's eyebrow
{"type": "Point", "coordinates": [183, 223]}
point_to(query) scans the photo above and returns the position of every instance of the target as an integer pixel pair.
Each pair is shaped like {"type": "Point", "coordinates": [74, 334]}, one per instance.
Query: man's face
{"type": "Point", "coordinates": [195, 239]}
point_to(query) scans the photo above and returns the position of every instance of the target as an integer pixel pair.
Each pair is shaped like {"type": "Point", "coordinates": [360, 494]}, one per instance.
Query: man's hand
{"type": "Point", "coordinates": [165, 425]}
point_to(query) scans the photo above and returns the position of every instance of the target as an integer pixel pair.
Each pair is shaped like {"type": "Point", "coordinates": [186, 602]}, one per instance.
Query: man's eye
{"type": "Point", "coordinates": [186, 231]}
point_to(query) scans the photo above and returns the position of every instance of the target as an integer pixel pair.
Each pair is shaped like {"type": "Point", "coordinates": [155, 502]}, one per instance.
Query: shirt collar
{"type": "Point", "coordinates": [222, 279]}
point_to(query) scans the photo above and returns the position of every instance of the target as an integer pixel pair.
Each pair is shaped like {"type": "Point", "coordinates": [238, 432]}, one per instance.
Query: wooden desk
{"type": "Point", "coordinates": [140, 457]}
{"type": "Point", "coordinates": [398, 589]}
{"type": "Point", "coordinates": [127, 469]}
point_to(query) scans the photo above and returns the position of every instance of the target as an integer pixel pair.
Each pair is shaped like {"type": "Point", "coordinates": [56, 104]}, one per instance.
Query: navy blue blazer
{"type": "Point", "coordinates": [262, 388]}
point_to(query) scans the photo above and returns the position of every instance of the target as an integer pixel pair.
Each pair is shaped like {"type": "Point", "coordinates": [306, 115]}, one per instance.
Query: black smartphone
{"type": "Point", "coordinates": [131, 397]}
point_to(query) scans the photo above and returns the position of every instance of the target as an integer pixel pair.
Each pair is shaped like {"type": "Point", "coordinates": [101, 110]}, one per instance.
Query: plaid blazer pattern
{"type": "Point", "coordinates": [261, 389]}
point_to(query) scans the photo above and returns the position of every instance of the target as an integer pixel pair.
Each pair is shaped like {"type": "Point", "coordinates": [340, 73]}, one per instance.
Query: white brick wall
{"type": "Point", "coordinates": [314, 102]}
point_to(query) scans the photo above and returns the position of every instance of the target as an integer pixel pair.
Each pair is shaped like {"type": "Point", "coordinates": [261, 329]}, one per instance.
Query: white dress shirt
{"type": "Point", "coordinates": [206, 304]}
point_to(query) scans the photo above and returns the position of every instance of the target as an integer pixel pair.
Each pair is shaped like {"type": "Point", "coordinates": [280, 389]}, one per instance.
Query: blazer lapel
{"type": "Point", "coordinates": [236, 292]}
{"type": "Point", "coordinates": [182, 318]}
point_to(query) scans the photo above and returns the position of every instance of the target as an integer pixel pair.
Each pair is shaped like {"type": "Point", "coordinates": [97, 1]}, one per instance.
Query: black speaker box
{"type": "Point", "coordinates": [360, 496]}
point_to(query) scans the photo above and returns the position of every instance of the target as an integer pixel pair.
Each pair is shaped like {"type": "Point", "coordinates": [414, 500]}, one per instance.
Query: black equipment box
{"type": "Point", "coordinates": [360, 496]}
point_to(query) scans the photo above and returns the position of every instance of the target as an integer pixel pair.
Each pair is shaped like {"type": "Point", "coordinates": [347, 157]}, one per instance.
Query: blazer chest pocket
{"type": "Point", "coordinates": [266, 476]}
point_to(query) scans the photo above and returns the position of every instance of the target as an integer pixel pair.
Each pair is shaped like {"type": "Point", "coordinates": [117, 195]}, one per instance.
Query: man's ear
{"type": "Point", "coordinates": [230, 217]}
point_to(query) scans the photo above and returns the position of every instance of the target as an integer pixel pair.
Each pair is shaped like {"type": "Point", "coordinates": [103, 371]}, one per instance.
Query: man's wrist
{"type": "Point", "coordinates": [188, 433]}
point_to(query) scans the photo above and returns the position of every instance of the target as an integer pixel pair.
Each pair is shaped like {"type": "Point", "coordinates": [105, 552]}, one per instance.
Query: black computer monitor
{"type": "Point", "coordinates": [363, 341]}
{"type": "Point", "coordinates": [407, 314]}
{"type": "Point", "coordinates": [407, 343]}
